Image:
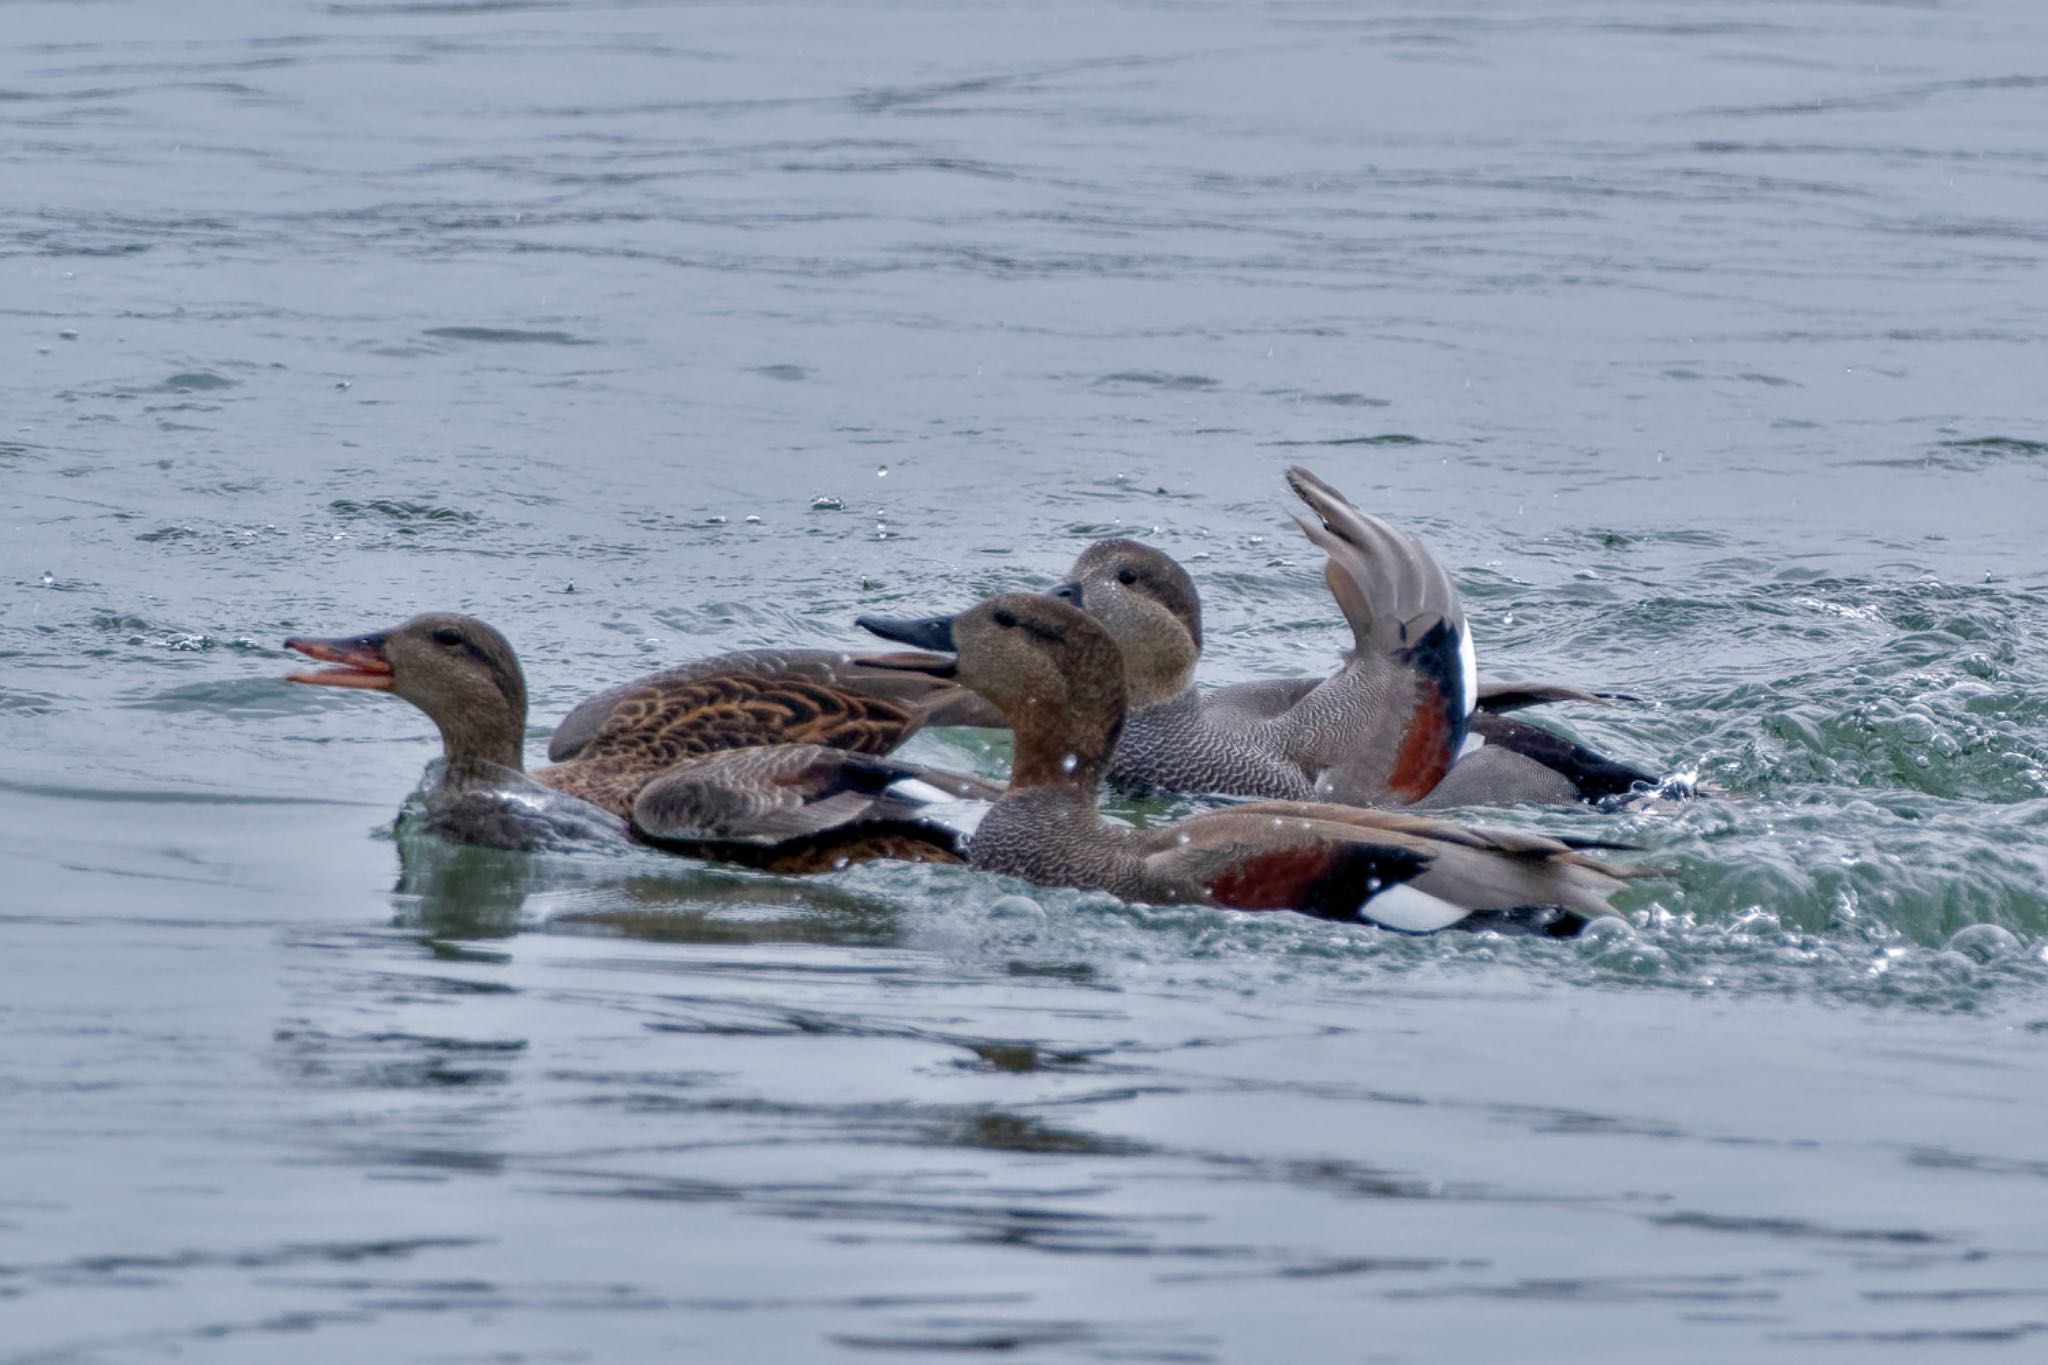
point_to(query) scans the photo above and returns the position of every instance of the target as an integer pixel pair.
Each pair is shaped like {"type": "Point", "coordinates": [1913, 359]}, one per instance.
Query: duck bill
{"type": "Point", "coordinates": [925, 633]}
{"type": "Point", "coordinates": [359, 661]}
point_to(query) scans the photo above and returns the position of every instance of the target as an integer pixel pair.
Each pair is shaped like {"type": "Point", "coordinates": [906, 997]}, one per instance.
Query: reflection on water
{"type": "Point", "coordinates": [450, 892]}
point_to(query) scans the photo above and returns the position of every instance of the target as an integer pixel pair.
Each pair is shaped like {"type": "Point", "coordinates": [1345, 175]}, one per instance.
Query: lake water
{"type": "Point", "coordinates": [1704, 341]}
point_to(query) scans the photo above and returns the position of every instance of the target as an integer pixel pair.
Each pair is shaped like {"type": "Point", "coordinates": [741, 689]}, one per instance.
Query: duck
{"type": "Point", "coordinates": [1056, 674]}
{"type": "Point", "coordinates": [1404, 723]}
{"type": "Point", "coordinates": [783, 773]}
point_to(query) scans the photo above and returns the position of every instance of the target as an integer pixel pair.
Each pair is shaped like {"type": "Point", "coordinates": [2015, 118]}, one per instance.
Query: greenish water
{"type": "Point", "coordinates": [1702, 341]}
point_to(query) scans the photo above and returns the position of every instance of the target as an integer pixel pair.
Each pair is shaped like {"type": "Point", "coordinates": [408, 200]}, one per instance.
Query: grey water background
{"type": "Point", "coordinates": [1703, 340]}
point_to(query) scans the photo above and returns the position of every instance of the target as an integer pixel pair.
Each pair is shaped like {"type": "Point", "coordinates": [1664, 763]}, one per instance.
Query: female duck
{"type": "Point", "coordinates": [774, 772]}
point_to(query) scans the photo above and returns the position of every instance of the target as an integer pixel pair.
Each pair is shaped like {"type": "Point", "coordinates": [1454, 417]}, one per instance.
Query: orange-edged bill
{"type": "Point", "coordinates": [361, 662]}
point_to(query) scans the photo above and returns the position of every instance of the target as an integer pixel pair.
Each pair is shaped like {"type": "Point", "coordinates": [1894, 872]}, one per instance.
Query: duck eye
{"type": "Point", "coordinates": [448, 635]}
{"type": "Point", "coordinates": [1006, 620]}
{"type": "Point", "coordinates": [1127, 576]}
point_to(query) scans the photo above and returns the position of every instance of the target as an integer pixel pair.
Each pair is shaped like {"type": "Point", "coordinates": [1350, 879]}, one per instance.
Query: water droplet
{"type": "Point", "coordinates": [825, 502]}
{"type": "Point", "coordinates": [49, 579]}
{"type": "Point", "coordinates": [841, 864]}
{"type": "Point", "coordinates": [342, 384]}
{"type": "Point", "coordinates": [69, 334]}
{"type": "Point", "coordinates": [1070, 762]}
{"type": "Point", "coordinates": [881, 471]}
{"type": "Point", "coordinates": [753, 520]}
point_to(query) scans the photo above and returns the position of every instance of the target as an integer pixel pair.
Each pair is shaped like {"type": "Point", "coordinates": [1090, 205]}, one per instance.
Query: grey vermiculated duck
{"type": "Point", "coordinates": [1403, 723]}
{"type": "Point", "coordinates": [766, 771]}
{"type": "Point", "coordinates": [1056, 674]}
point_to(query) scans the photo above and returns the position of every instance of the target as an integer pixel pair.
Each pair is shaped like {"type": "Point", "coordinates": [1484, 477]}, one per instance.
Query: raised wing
{"type": "Point", "coordinates": [1390, 725]}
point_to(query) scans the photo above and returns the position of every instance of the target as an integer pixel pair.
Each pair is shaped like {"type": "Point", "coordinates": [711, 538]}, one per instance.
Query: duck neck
{"type": "Point", "coordinates": [1157, 686]}
{"type": "Point", "coordinates": [472, 745]}
{"type": "Point", "coordinates": [1063, 745]}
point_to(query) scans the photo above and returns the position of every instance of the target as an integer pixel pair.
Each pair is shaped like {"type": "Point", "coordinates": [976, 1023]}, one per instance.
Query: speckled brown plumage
{"type": "Point", "coordinates": [781, 772]}
{"type": "Point", "coordinates": [925, 699]}
{"type": "Point", "coordinates": [655, 725]}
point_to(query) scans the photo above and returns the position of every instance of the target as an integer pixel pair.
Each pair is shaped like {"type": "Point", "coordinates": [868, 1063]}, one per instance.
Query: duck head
{"type": "Point", "coordinates": [1150, 607]}
{"type": "Point", "coordinates": [1053, 671]}
{"type": "Point", "coordinates": [458, 670]}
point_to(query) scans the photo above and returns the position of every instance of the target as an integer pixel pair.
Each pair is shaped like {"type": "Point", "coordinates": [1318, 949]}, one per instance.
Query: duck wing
{"type": "Point", "coordinates": [1461, 870]}
{"type": "Point", "coordinates": [1500, 698]}
{"type": "Point", "coordinates": [1581, 773]}
{"type": "Point", "coordinates": [1268, 862]}
{"type": "Point", "coordinates": [1387, 728]}
{"type": "Point", "coordinates": [779, 793]}
{"type": "Point", "coordinates": [932, 701]}
{"type": "Point", "coordinates": [651, 725]}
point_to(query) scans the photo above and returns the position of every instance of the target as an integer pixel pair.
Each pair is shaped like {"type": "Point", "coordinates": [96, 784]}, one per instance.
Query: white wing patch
{"type": "Point", "coordinates": [962, 815]}
{"type": "Point", "coordinates": [1468, 667]}
{"type": "Point", "coordinates": [1411, 911]}
{"type": "Point", "coordinates": [917, 789]}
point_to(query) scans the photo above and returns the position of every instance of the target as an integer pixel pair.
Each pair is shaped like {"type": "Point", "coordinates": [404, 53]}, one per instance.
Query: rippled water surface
{"type": "Point", "coordinates": [1703, 340]}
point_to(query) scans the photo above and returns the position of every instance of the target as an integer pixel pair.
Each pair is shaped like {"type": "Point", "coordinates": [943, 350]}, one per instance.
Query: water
{"type": "Point", "coordinates": [1702, 340]}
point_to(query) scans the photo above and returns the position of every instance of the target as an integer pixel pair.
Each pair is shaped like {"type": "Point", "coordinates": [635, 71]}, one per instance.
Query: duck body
{"type": "Point", "coordinates": [497, 807]}
{"type": "Point", "coordinates": [1214, 742]}
{"type": "Point", "coordinates": [646, 728]}
{"type": "Point", "coordinates": [816, 696]}
{"type": "Point", "coordinates": [1414, 877]}
{"type": "Point", "coordinates": [1392, 728]}
{"type": "Point", "coordinates": [1055, 673]}
{"type": "Point", "coordinates": [464, 676]}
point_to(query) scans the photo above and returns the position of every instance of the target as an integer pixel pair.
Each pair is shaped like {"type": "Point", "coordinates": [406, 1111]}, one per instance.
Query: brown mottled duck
{"type": "Point", "coordinates": [782, 772]}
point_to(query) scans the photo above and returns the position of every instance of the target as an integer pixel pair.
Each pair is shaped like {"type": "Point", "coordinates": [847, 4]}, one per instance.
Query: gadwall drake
{"type": "Point", "coordinates": [1057, 676]}
{"type": "Point", "coordinates": [1401, 724]}
{"type": "Point", "coordinates": [677, 764]}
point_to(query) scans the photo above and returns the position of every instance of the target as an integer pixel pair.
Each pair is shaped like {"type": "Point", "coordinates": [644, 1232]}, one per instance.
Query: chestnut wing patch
{"type": "Point", "coordinates": [1436, 727]}
{"type": "Point", "coordinates": [1330, 880]}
